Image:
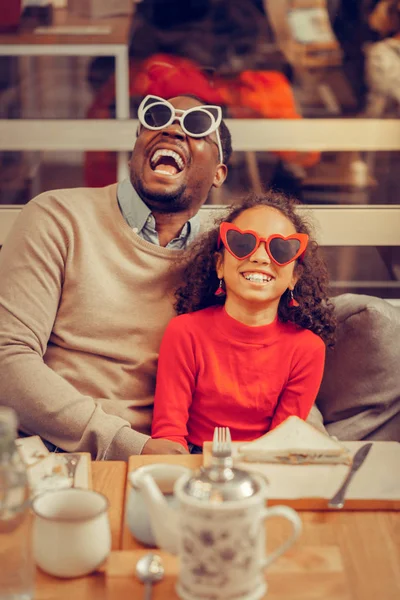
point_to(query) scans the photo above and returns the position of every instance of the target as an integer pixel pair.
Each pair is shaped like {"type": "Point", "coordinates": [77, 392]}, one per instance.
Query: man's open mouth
{"type": "Point", "coordinates": [167, 162]}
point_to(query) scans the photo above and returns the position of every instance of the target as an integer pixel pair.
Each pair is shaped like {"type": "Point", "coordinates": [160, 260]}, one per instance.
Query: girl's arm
{"type": "Point", "coordinates": [175, 383]}
{"type": "Point", "coordinates": [299, 395]}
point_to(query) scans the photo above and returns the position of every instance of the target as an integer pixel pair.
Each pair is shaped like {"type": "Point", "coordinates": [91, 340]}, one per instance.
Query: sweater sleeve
{"type": "Point", "coordinates": [176, 376]}
{"type": "Point", "coordinates": [32, 264]}
{"type": "Point", "coordinates": [302, 387]}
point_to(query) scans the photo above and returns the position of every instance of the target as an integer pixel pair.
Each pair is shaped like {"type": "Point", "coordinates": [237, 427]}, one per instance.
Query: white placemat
{"type": "Point", "coordinates": [377, 479]}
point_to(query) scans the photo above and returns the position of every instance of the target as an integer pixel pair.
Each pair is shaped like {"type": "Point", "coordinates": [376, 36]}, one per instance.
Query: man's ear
{"type": "Point", "coordinates": [220, 175]}
{"type": "Point", "coordinates": [219, 265]}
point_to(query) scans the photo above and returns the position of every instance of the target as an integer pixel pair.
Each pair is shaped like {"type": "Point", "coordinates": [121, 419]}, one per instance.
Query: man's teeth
{"type": "Point", "coordinates": [258, 277]}
{"type": "Point", "coordinates": [159, 153]}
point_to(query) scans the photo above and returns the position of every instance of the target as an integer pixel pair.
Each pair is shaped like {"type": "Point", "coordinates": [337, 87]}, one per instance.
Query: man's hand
{"type": "Point", "coordinates": [161, 446]}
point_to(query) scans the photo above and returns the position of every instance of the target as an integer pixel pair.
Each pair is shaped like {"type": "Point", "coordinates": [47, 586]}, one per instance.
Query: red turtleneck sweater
{"type": "Point", "coordinates": [215, 371]}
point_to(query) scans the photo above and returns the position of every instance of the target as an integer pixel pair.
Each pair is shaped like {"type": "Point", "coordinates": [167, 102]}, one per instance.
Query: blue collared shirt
{"type": "Point", "coordinates": [139, 217]}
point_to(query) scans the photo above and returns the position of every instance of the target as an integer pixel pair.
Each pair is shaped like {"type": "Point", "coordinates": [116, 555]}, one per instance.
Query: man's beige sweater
{"type": "Point", "coordinates": [84, 302]}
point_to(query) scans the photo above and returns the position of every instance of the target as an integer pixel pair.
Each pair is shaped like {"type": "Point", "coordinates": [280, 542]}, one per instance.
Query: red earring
{"type": "Point", "coordinates": [292, 301]}
{"type": "Point", "coordinates": [220, 290]}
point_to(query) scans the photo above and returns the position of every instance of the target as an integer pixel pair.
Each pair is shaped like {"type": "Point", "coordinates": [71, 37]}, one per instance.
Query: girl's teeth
{"type": "Point", "coordinates": [258, 277]}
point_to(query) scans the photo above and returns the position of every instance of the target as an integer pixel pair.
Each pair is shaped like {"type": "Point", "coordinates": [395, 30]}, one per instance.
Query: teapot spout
{"type": "Point", "coordinates": [164, 519]}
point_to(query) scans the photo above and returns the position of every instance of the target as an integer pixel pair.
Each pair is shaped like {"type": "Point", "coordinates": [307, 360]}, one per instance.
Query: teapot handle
{"type": "Point", "coordinates": [290, 515]}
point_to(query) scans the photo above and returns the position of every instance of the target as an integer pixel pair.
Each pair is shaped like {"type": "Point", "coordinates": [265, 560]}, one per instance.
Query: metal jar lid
{"type": "Point", "coordinates": [221, 483]}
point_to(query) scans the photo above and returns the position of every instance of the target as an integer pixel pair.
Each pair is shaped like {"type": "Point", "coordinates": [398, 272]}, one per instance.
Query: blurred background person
{"type": "Point", "coordinates": [383, 61]}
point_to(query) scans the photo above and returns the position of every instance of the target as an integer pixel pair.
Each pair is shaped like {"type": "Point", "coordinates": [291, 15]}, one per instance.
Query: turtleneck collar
{"type": "Point", "coordinates": [235, 330]}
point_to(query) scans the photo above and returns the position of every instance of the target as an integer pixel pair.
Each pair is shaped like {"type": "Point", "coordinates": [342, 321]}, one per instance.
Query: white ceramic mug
{"type": "Point", "coordinates": [137, 515]}
{"type": "Point", "coordinates": [71, 532]}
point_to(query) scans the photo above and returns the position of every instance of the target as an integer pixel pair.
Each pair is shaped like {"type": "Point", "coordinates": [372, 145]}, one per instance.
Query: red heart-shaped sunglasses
{"type": "Point", "coordinates": [242, 244]}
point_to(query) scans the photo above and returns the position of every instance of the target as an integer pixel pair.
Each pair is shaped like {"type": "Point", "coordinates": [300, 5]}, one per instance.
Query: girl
{"type": "Point", "coordinates": [248, 348]}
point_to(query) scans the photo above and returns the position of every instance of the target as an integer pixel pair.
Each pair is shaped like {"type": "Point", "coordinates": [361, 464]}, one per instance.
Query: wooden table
{"type": "Point", "coordinates": [340, 555]}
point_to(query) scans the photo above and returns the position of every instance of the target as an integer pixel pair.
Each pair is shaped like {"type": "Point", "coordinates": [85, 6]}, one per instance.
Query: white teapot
{"type": "Point", "coordinates": [218, 531]}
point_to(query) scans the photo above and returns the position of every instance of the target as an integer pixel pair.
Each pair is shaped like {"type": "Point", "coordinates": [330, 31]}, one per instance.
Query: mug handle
{"type": "Point", "coordinates": [290, 515]}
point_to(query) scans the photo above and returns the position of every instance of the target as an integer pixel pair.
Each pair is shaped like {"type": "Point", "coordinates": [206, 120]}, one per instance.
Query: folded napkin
{"type": "Point", "coordinates": [295, 442]}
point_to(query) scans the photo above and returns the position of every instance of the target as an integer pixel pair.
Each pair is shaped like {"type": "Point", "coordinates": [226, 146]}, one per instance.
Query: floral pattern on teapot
{"type": "Point", "coordinates": [221, 551]}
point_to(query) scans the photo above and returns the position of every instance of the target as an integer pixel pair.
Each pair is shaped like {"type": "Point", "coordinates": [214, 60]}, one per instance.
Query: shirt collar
{"type": "Point", "coordinates": [140, 218]}
{"type": "Point", "coordinates": [134, 210]}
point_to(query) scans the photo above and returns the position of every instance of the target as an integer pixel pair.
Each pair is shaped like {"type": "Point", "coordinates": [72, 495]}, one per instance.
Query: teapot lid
{"type": "Point", "coordinates": [221, 483]}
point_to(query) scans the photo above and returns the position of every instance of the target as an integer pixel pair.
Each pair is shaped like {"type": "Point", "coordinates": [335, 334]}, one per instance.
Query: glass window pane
{"type": "Point", "coordinates": [259, 60]}
{"type": "Point", "coordinates": [352, 178]}
{"type": "Point", "coordinates": [364, 270]}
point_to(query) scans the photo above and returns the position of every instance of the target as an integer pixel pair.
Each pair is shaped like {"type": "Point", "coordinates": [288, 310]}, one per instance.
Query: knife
{"type": "Point", "coordinates": [338, 499]}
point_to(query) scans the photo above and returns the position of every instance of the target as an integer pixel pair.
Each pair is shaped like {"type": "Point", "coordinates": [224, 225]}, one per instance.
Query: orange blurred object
{"type": "Point", "coordinates": [251, 94]}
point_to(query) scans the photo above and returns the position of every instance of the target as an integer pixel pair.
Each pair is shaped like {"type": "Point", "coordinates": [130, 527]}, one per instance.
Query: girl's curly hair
{"type": "Point", "coordinates": [200, 281]}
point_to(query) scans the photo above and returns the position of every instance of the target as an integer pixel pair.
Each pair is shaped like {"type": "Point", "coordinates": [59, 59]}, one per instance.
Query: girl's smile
{"type": "Point", "coordinates": [258, 277]}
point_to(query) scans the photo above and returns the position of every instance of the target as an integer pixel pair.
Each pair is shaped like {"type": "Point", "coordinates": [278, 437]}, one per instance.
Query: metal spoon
{"type": "Point", "coordinates": [149, 569]}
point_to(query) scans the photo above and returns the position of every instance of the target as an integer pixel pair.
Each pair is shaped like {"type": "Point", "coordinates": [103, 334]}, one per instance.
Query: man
{"type": "Point", "coordinates": [86, 286]}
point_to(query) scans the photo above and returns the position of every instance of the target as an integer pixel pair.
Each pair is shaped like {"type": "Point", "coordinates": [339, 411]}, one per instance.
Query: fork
{"type": "Point", "coordinates": [71, 462]}
{"type": "Point", "coordinates": [222, 446]}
